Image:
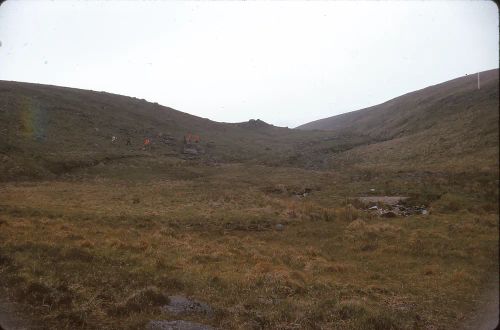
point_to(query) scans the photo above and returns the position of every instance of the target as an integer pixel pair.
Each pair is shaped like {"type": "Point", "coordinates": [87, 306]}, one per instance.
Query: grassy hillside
{"type": "Point", "coordinates": [48, 130]}
{"type": "Point", "coordinates": [452, 125]}
{"type": "Point", "coordinates": [419, 110]}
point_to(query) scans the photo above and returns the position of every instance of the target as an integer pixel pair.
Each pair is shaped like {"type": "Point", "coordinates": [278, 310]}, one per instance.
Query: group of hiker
{"type": "Point", "coordinates": [147, 141]}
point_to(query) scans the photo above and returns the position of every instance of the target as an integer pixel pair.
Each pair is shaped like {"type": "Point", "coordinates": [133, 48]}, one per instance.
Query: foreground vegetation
{"type": "Point", "coordinates": [103, 247]}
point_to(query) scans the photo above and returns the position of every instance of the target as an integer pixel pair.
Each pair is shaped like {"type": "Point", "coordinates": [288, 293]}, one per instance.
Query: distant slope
{"type": "Point", "coordinates": [48, 130]}
{"type": "Point", "coordinates": [452, 125]}
{"type": "Point", "coordinates": [419, 110]}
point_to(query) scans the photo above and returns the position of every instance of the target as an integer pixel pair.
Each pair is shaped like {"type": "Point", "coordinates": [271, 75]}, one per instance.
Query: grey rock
{"type": "Point", "coordinates": [279, 227]}
{"type": "Point", "coordinates": [177, 325]}
{"type": "Point", "coordinates": [181, 304]}
{"type": "Point", "coordinates": [190, 151]}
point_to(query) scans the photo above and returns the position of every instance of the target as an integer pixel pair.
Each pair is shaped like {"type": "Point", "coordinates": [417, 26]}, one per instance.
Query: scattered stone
{"type": "Point", "coordinates": [389, 200]}
{"type": "Point", "coordinates": [279, 227]}
{"type": "Point", "coordinates": [392, 206]}
{"type": "Point", "coordinates": [303, 192]}
{"type": "Point", "coordinates": [181, 304]}
{"type": "Point", "coordinates": [177, 325]}
{"type": "Point", "coordinates": [166, 139]}
{"type": "Point", "coordinates": [190, 151]}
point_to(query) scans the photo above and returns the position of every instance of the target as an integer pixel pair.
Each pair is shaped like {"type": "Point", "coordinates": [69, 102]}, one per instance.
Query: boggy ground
{"type": "Point", "coordinates": [103, 247]}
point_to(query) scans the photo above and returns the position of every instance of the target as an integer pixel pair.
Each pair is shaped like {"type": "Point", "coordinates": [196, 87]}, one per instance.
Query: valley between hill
{"type": "Point", "coordinates": [99, 229]}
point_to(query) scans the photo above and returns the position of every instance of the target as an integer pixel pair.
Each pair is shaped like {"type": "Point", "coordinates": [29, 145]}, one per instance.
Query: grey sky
{"type": "Point", "coordinates": [287, 63]}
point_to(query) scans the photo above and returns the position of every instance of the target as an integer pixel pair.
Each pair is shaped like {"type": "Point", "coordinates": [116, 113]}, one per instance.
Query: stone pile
{"type": "Point", "coordinates": [391, 211]}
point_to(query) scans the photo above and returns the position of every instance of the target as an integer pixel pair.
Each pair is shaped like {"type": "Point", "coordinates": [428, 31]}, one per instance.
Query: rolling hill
{"type": "Point", "coordinates": [419, 110]}
{"type": "Point", "coordinates": [452, 124]}
{"type": "Point", "coordinates": [49, 130]}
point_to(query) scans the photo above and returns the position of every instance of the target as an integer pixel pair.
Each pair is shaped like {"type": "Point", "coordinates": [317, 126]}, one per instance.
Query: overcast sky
{"type": "Point", "coordinates": [286, 63]}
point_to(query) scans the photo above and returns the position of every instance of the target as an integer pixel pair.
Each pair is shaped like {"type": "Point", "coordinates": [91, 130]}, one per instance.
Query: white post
{"type": "Point", "coordinates": [478, 81]}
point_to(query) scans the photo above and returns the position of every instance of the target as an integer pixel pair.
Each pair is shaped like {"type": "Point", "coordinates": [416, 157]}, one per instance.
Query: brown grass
{"type": "Point", "coordinates": [82, 254]}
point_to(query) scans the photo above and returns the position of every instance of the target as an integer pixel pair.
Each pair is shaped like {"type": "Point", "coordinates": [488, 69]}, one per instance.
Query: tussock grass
{"type": "Point", "coordinates": [139, 301]}
{"type": "Point", "coordinates": [81, 254]}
